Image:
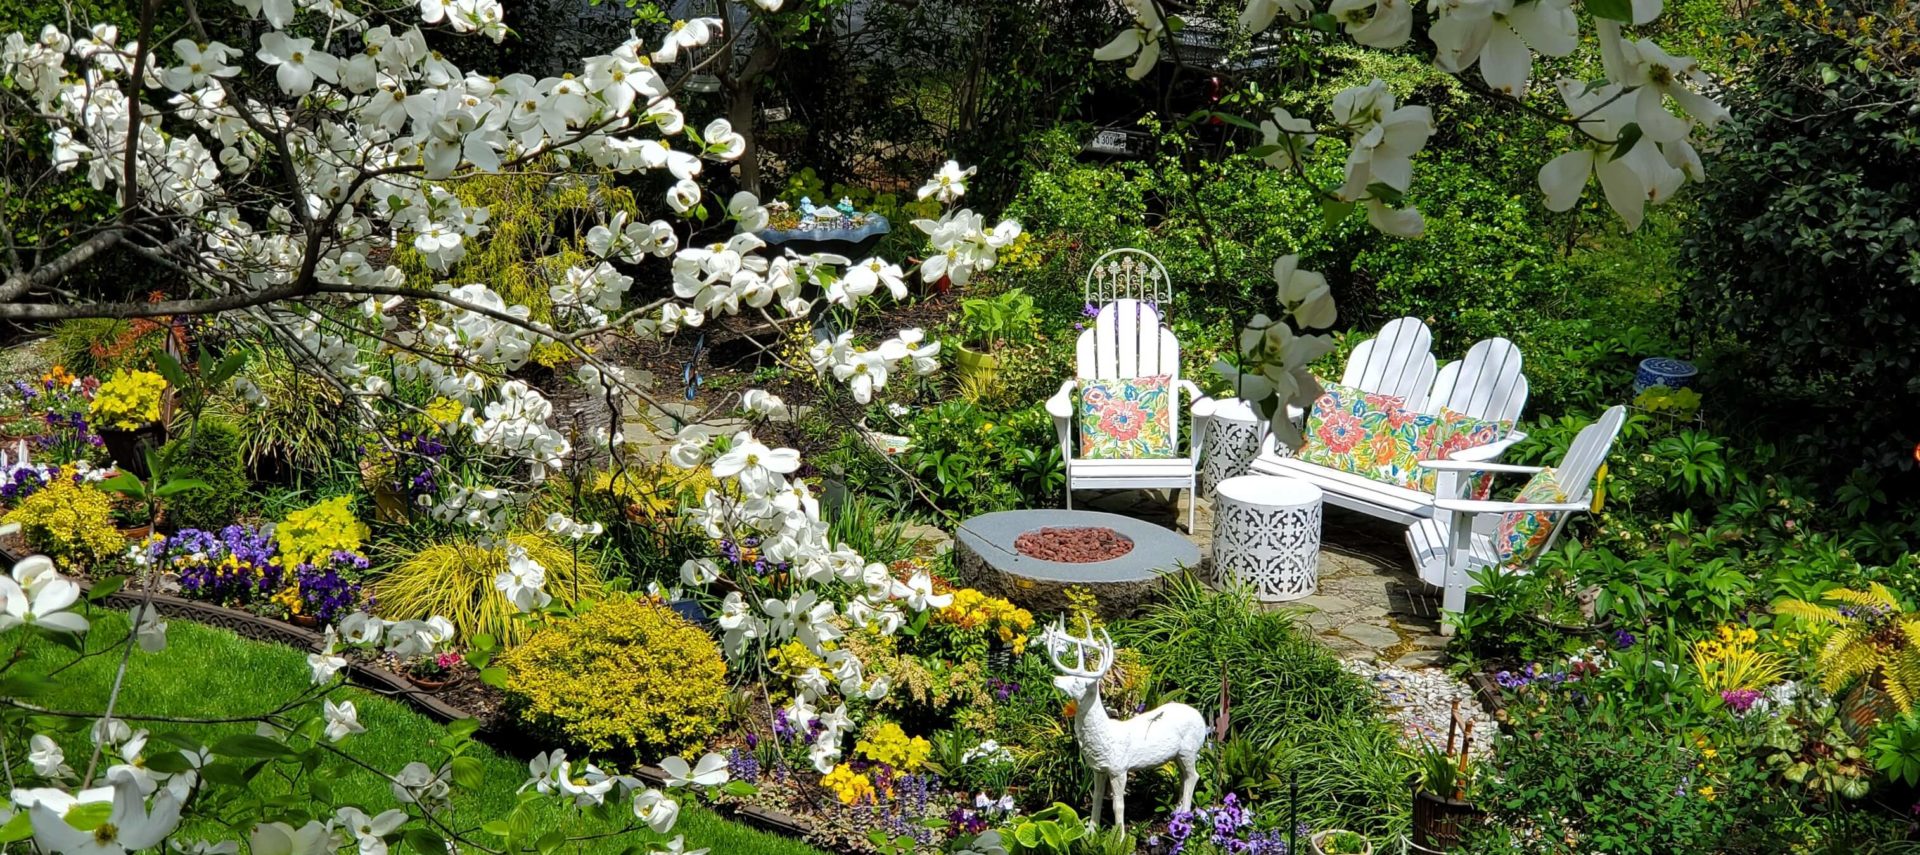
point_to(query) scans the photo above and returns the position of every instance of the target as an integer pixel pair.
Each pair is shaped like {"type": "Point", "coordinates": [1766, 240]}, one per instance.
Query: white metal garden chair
{"type": "Point", "coordinates": [1128, 274]}
{"type": "Point", "coordinates": [1127, 341]}
{"type": "Point", "coordinates": [1459, 540]}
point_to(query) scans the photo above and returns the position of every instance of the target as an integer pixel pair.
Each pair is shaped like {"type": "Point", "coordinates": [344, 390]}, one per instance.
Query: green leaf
{"type": "Point", "coordinates": [495, 677]}
{"type": "Point", "coordinates": [169, 368]}
{"type": "Point", "coordinates": [1236, 121]}
{"type": "Point", "coordinates": [124, 484]}
{"type": "Point", "coordinates": [1263, 150]}
{"type": "Point", "coordinates": [19, 828]}
{"type": "Point", "coordinates": [1615, 10]}
{"type": "Point", "coordinates": [180, 485]}
{"type": "Point", "coordinates": [467, 773]}
{"type": "Point", "coordinates": [1334, 211]}
{"type": "Point", "coordinates": [228, 368]}
{"type": "Point", "coordinates": [552, 841]}
{"type": "Point", "coordinates": [741, 789]}
{"type": "Point", "coordinates": [1629, 137]}
{"type": "Point", "coordinates": [495, 827]}
{"type": "Point", "coordinates": [225, 774]}
{"type": "Point", "coordinates": [249, 745]}
{"type": "Point", "coordinates": [1386, 193]}
{"type": "Point", "coordinates": [169, 762]}
{"type": "Point", "coordinates": [105, 588]}
{"type": "Point", "coordinates": [463, 727]}
{"type": "Point", "coordinates": [1324, 22]}
{"type": "Point", "coordinates": [89, 816]}
{"type": "Point", "coordinates": [425, 842]}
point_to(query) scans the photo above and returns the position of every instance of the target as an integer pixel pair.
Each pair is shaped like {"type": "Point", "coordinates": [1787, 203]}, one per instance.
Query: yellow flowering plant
{"type": "Point", "coordinates": [128, 400]}
{"type": "Point", "coordinates": [311, 534]}
{"type": "Point", "coordinates": [975, 622]}
{"type": "Point", "coordinates": [848, 786]}
{"type": "Point", "coordinates": [1729, 662]}
{"type": "Point", "coordinates": [69, 521]}
{"type": "Point", "coordinates": [890, 745]}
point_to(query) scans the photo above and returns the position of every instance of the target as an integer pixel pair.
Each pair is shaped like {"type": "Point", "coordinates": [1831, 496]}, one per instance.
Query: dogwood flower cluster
{"type": "Point", "coordinates": [1273, 354]}
{"type": "Point", "coordinates": [827, 591]}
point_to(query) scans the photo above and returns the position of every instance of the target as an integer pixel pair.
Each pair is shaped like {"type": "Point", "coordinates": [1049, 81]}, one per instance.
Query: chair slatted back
{"type": "Point", "coordinates": [1399, 362]}
{"type": "Point", "coordinates": [1128, 274]}
{"type": "Point", "coordinates": [1589, 449]}
{"type": "Point", "coordinates": [1127, 340]}
{"type": "Point", "coordinates": [1486, 384]}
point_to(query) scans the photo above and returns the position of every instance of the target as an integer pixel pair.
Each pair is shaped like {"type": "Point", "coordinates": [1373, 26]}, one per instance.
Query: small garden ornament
{"type": "Point", "coordinates": [1112, 748]}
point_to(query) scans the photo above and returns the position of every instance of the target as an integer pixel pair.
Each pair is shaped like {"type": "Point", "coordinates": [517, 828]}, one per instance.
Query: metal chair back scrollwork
{"type": "Point", "coordinates": [1129, 274]}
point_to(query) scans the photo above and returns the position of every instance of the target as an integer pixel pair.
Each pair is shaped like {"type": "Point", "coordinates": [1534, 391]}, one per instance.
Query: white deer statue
{"type": "Point", "coordinates": [1110, 747]}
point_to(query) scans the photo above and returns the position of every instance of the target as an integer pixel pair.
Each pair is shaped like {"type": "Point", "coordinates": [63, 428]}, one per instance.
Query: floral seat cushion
{"type": "Point", "coordinates": [1456, 432]}
{"type": "Point", "coordinates": [1366, 434]}
{"type": "Point", "coordinates": [1127, 419]}
{"type": "Point", "coordinates": [1521, 535]}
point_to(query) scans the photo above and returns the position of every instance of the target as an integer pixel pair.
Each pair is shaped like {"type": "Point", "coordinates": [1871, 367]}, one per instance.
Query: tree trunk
{"type": "Point", "coordinates": [743, 101]}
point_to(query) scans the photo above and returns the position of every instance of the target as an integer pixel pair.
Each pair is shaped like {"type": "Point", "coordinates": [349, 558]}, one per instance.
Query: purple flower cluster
{"type": "Point", "coordinates": [1740, 700]}
{"type": "Point", "coordinates": [325, 591]}
{"type": "Point", "coordinates": [1624, 639]}
{"type": "Point", "coordinates": [1528, 676]}
{"type": "Point", "coordinates": [1228, 827]}
{"type": "Point", "coordinates": [1002, 689]}
{"type": "Point", "coordinates": [417, 473]}
{"type": "Point", "coordinates": [18, 482]}
{"type": "Point", "coordinates": [743, 766]}
{"type": "Point", "coordinates": [748, 547]}
{"type": "Point", "coordinates": [233, 566]}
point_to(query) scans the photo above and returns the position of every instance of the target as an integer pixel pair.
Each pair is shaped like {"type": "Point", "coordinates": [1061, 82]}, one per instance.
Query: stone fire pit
{"type": "Point", "coordinates": [989, 560]}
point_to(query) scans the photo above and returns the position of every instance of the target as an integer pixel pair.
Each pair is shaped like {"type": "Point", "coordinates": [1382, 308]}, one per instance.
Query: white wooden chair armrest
{"type": "Point", "coordinates": [1458, 465]}
{"type": "Point", "coordinates": [1476, 507]}
{"type": "Point", "coordinates": [1490, 451]}
{"type": "Point", "coordinates": [1060, 406]}
{"type": "Point", "coordinates": [1201, 424]}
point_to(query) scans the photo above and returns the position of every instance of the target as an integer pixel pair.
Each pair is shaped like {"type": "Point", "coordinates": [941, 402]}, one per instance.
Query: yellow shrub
{"type": "Point", "coordinates": [891, 745]}
{"type": "Point", "coordinates": [129, 400]}
{"type": "Point", "coordinates": [69, 522]}
{"type": "Point", "coordinates": [311, 534]}
{"type": "Point", "coordinates": [629, 674]}
{"type": "Point", "coordinates": [455, 580]}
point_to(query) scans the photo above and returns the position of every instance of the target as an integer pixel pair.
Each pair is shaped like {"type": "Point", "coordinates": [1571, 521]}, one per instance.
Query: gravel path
{"type": "Point", "coordinates": [1421, 702]}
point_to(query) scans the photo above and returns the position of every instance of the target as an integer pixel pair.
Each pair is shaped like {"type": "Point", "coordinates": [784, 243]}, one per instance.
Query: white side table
{"type": "Point", "coordinates": [1266, 535]}
{"type": "Point", "coordinates": [1232, 443]}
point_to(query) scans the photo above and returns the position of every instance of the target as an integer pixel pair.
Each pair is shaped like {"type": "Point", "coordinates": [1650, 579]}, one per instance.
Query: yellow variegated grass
{"type": "Point", "coordinates": [455, 580]}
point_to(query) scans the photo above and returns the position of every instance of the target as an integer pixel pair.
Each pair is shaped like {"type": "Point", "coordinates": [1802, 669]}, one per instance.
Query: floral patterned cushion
{"type": "Point", "coordinates": [1458, 431]}
{"type": "Point", "coordinates": [1520, 536]}
{"type": "Point", "coordinates": [1361, 432]}
{"type": "Point", "coordinates": [1128, 419]}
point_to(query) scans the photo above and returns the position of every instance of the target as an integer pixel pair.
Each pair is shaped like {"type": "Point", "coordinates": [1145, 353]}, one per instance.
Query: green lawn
{"type": "Point", "coordinates": [208, 672]}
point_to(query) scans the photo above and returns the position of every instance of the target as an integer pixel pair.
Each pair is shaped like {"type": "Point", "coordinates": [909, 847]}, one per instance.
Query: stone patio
{"type": "Point", "coordinates": [1370, 605]}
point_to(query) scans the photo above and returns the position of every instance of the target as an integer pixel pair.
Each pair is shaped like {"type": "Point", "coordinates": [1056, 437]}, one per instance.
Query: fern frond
{"type": "Point", "coordinates": [1910, 628]}
{"type": "Point", "coordinates": [1848, 663]}
{"type": "Point", "coordinates": [1810, 612]}
{"type": "Point", "coordinates": [1857, 598]}
{"type": "Point", "coordinates": [1842, 638]}
{"type": "Point", "coordinates": [1903, 681]}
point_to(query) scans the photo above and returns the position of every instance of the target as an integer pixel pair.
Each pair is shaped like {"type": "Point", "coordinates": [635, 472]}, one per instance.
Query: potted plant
{"type": "Point", "coordinates": [1441, 784]}
{"type": "Point", "coordinates": [126, 412]}
{"type": "Point", "coordinates": [434, 671]}
{"type": "Point", "coordinates": [1338, 842]}
{"type": "Point", "coordinates": [988, 323]}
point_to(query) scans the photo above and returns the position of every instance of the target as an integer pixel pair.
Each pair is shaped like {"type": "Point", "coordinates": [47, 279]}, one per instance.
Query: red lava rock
{"type": "Point", "coordinates": [1073, 545]}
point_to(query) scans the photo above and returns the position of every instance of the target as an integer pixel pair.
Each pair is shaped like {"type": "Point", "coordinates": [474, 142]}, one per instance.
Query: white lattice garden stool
{"type": "Point", "coordinates": [1233, 441]}
{"type": "Point", "coordinates": [1266, 535]}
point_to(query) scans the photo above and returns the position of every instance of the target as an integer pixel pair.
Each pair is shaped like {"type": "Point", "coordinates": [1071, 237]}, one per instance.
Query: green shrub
{"type": "Point", "coordinates": [630, 674]}
{"type": "Point", "coordinates": [1290, 698]}
{"type": "Point", "coordinates": [1809, 191]}
{"type": "Point", "coordinates": [211, 452]}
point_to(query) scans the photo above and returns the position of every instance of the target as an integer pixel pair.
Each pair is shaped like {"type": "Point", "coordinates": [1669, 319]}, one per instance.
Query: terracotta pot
{"type": "Point", "coordinates": [308, 621]}
{"type": "Point", "coordinates": [136, 533]}
{"type": "Point", "coordinates": [1439, 823]}
{"type": "Point", "coordinates": [426, 684]}
{"type": "Point", "coordinates": [128, 447]}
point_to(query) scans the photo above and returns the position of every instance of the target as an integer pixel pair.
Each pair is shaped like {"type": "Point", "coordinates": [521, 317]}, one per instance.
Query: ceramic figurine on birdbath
{"type": "Point", "coordinates": [840, 229]}
{"type": "Point", "coordinates": [1112, 747]}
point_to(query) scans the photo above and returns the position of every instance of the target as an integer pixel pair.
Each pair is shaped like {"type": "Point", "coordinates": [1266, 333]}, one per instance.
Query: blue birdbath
{"type": "Point", "coordinates": [836, 229]}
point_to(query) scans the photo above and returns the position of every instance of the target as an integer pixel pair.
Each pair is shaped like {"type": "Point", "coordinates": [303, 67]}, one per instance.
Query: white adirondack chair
{"type": "Point", "coordinates": [1128, 340]}
{"type": "Point", "coordinates": [1459, 540]}
{"type": "Point", "coordinates": [1398, 361]}
{"type": "Point", "coordinates": [1128, 274]}
{"type": "Point", "coordinates": [1487, 384]}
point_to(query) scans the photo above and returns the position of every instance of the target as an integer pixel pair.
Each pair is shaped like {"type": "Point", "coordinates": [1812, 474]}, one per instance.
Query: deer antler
{"type": "Point", "coordinates": [1057, 636]}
